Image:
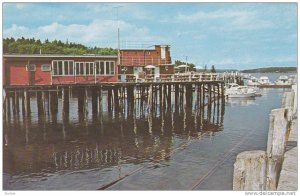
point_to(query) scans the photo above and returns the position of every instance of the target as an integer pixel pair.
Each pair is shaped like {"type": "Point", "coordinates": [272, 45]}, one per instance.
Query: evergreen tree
{"type": "Point", "coordinates": [205, 69]}
{"type": "Point", "coordinates": [32, 46]}
{"type": "Point", "coordinates": [213, 70]}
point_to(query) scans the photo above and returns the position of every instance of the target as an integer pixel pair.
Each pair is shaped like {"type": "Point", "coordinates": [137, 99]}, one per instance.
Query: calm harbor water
{"type": "Point", "coordinates": [156, 151]}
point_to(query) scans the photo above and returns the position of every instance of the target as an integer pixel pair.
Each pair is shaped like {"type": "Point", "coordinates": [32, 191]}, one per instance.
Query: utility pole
{"type": "Point", "coordinates": [117, 9]}
{"type": "Point", "coordinates": [185, 60]}
{"type": "Point", "coordinates": [186, 63]}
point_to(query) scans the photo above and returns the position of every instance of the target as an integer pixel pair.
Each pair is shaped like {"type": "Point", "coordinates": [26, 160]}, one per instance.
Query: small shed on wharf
{"type": "Point", "coordinates": [36, 69]}
{"type": "Point", "coordinates": [134, 62]}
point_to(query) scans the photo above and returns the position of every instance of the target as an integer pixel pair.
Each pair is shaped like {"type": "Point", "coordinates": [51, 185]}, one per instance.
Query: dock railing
{"type": "Point", "coordinates": [177, 77]}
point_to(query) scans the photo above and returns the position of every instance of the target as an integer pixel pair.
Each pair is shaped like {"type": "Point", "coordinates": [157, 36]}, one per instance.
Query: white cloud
{"type": "Point", "coordinates": [98, 32]}
{"type": "Point", "coordinates": [226, 19]}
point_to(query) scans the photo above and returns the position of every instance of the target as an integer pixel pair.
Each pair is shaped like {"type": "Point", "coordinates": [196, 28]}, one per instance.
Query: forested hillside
{"type": "Point", "coordinates": [36, 46]}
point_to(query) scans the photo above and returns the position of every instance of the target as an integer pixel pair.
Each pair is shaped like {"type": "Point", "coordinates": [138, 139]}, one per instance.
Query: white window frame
{"type": "Point", "coordinates": [63, 67]}
{"type": "Point", "coordinates": [78, 63]}
{"type": "Point", "coordinates": [111, 64]}
{"type": "Point", "coordinates": [87, 64]}
{"type": "Point", "coordinates": [48, 67]}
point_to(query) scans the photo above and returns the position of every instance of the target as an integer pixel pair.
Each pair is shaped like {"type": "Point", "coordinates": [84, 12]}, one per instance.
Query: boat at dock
{"type": "Point", "coordinates": [253, 81]}
{"type": "Point", "coordinates": [283, 80]}
{"type": "Point", "coordinates": [264, 80]}
{"type": "Point", "coordinates": [234, 90]}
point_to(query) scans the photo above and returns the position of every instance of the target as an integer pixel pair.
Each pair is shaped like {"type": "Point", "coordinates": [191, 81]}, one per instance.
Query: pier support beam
{"type": "Point", "coordinates": [27, 102]}
{"type": "Point", "coordinates": [94, 101]}
{"type": "Point", "coordinates": [65, 102]}
{"type": "Point", "coordinates": [40, 104]}
{"type": "Point", "coordinates": [53, 102]}
{"type": "Point", "coordinates": [80, 98]}
{"type": "Point", "coordinates": [116, 98]}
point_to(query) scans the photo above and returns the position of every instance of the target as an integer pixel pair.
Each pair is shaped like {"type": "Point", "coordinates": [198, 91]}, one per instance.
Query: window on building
{"type": "Point", "coordinates": [62, 68]}
{"type": "Point", "coordinates": [55, 70]}
{"type": "Point", "coordinates": [112, 68]}
{"type": "Point", "coordinates": [79, 68]}
{"type": "Point", "coordinates": [46, 67]}
{"type": "Point", "coordinates": [97, 67]}
{"type": "Point", "coordinates": [102, 68]}
{"type": "Point", "coordinates": [66, 67]}
{"type": "Point", "coordinates": [71, 68]}
{"type": "Point", "coordinates": [89, 68]}
{"type": "Point", "coordinates": [163, 52]}
{"type": "Point", "coordinates": [107, 68]}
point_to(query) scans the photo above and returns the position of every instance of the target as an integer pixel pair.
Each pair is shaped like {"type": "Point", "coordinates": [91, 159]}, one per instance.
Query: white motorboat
{"type": "Point", "coordinates": [293, 79]}
{"type": "Point", "coordinates": [253, 81]}
{"type": "Point", "coordinates": [264, 80]}
{"type": "Point", "coordinates": [235, 91]}
{"type": "Point", "coordinates": [283, 80]}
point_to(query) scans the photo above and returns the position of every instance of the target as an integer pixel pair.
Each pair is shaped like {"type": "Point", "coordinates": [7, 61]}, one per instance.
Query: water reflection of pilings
{"type": "Point", "coordinates": [130, 135]}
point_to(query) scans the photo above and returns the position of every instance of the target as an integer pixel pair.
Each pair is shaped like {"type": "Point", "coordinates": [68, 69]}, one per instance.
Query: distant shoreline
{"type": "Point", "coordinates": [262, 70]}
{"type": "Point", "coordinates": [271, 70]}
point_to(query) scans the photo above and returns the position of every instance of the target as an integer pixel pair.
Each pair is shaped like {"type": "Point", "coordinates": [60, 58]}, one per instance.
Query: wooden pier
{"type": "Point", "coordinates": [120, 97]}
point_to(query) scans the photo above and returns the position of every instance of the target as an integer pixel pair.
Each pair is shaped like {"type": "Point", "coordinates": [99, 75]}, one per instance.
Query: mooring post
{"type": "Point", "coordinates": [250, 171]}
{"type": "Point", "coordinates": [277, 137]}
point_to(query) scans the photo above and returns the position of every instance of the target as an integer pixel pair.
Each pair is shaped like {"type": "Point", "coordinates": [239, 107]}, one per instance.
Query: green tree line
{"type": "Point", "coordinates": [36, 46]}
{"type": "Point", "coordinates": [191, 65]}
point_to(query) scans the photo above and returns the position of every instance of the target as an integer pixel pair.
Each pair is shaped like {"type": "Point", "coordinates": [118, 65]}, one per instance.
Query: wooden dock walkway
{"type": "Point", "coordinates": [288, 180]}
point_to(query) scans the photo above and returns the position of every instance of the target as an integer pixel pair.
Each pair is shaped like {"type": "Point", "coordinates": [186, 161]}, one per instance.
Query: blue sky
{"type": "Point", "coordinates": [228, 35]}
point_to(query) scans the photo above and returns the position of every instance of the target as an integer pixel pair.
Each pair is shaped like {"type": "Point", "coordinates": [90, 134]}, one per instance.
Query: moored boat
{"type": "Point", "coordinates": [283, 80]}
{"type": "Point", "coordinates": [264, 80]}
{"type": "Point", "coordinates": [253, 81]}
{"type": "Point", "coordinates": [235, 91]}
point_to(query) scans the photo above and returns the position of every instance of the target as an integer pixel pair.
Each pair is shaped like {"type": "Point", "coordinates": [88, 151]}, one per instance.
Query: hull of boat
{"type": "Point", "coordinates": [241, 95]}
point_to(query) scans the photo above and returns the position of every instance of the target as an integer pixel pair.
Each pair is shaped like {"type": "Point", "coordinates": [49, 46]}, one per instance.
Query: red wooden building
{"type": "Point", "coordinates": [134, 61]}
{"type": "Point", "coordinates": [58, 69]}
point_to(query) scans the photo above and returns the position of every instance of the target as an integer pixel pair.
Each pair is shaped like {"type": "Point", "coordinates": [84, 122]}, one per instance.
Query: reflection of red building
{"type": "Point", "coordinates": [58, 69]}
{"type": "Point", "coordinates": [133, 61]}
